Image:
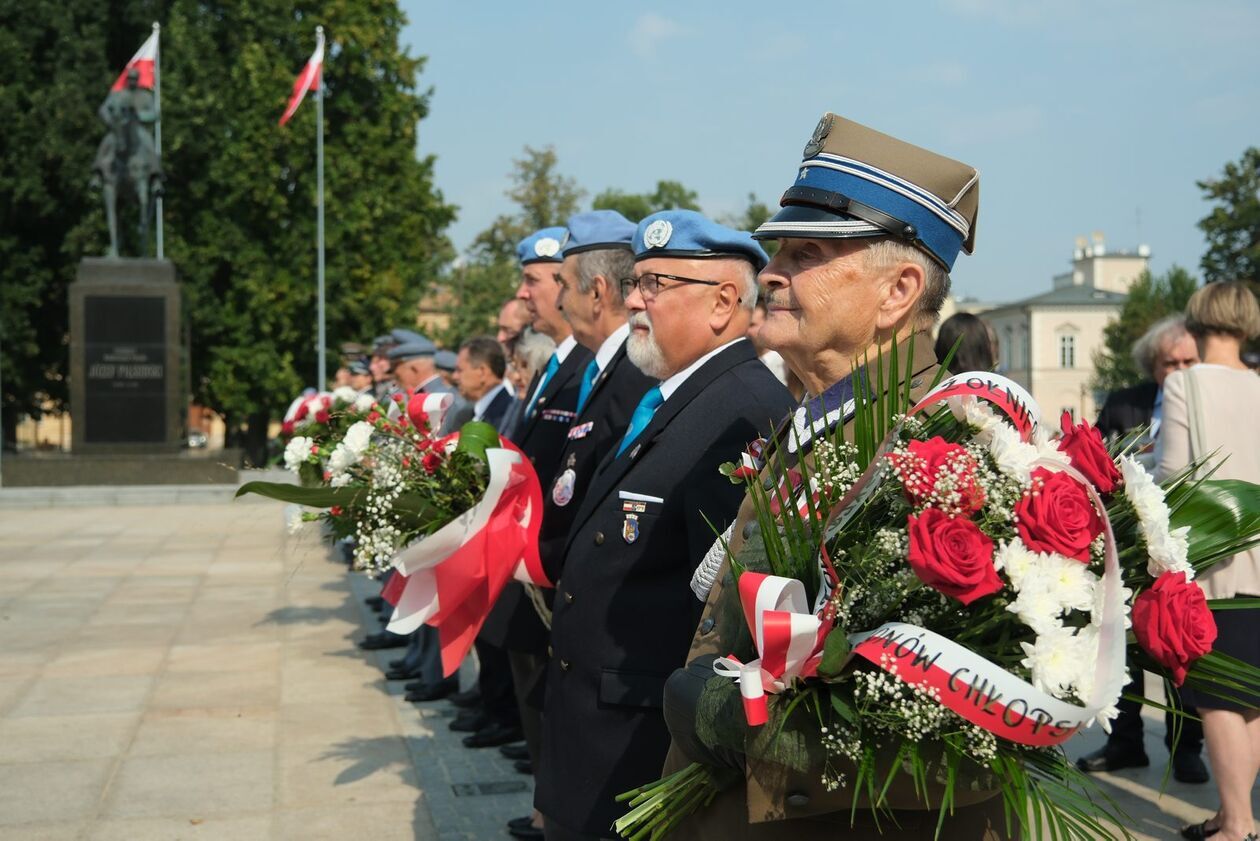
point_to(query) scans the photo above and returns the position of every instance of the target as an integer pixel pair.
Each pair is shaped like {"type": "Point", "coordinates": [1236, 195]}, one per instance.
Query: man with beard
{"type": "Point", "coordinates": [867, 235]}
{"type": "Point", "coordinates": [623, 611]}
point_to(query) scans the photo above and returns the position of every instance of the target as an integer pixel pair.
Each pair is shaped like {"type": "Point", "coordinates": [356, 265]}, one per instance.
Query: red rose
{"type": "Point", "coordinates": [302, 412]}
{"type": "Point", "coordinates": [286, 428]}
{"type": "Point", "coordinates": [1083, 444]}
{"type": "Point", "coordinates": [321, 416]}
{"type": "Point", "coordinates": [1057, 516]}
{"type": "Point", "coordinates": [430, 462]}
{"type": "Point", "coordinates": [336, 511]}
{"type": "Point", "coordinates": [373, 416]}
{"type": "Point", "coordinates": [1172, 622]}
{"type": "Point", "coordinates": [937, 473]}
{"type": "Point", "coordinates": [952, 555]}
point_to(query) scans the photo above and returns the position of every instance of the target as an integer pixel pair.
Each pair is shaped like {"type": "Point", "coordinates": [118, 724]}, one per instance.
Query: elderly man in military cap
{"type": "Point", "coordinates": [867, 233]}
{"type": "Point", "coordinates": [623, 611]}
{"type": "Point", "coordinates": [415, 366]}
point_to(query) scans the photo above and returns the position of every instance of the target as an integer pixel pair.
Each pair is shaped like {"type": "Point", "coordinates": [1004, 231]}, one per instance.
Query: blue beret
{"type": "Point", "coordinates": [412, 350]}
{"type": "Point", "coordinates": [598, 229]}
{"type": "Point", "coordinates": [854, 181]}
{"type": "Point", "coordinates": [541, 247]}
{"type": "Point", "coordinates": [444, 360]}
{"type": "Point", "coordinates": [688, 235]}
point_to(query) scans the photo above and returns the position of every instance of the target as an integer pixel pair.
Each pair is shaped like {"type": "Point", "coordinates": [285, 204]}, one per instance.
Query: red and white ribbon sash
{"type": "Point", "coordinates": [451, 579]}
{"type": "Point", "coordinates": [788, 638]}
{"type": "Point", "coordinates": [1007, 395]}
{"type": "Point", "coordinates": [427, 410]}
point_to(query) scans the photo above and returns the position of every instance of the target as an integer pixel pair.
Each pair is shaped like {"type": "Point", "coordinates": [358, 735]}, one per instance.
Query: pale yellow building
{"type": "Point", "coordinates": [1047, 342]}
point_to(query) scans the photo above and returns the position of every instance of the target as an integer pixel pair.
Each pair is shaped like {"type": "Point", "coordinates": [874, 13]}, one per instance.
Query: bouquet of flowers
{"type": "Point", "coordinates": [949, 596]}
{"type": "Point", "coordinates": [454, 517]}
{"type": "Point", "coordinates": [314, 425]}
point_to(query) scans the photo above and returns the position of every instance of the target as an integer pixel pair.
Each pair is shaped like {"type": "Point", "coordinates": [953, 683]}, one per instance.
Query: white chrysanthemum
{"type": "Point", "coordinates": [1013, 457]}
{"type": "Point", "coordinates": [345, 394]}
{"type": "Point", "coordinates": [1167, 548]}
{"type": "Point", "coordinates": [340, 480]}
{"type": "Point", "coordinates": [296, 452]}
{"type": "Point", "coordinates": [364, 402]}
{"type": "Point", "coordinates": [976, 414]}
{"type": "Point", "coordinates": [1048, 448]}
{"type": "Point", "coordinates": [1037, 606]}
{"type": "Point", "coordinates": [1070, 581]}
{"type": "Point", "coordinates": [1054, 660]}
{"type": "Point", "coordinates": [1016, 560]}
{"type": "Point", "coordinates": [358, 437]}
{"type": "Point", "coordinates": [1096, 610]}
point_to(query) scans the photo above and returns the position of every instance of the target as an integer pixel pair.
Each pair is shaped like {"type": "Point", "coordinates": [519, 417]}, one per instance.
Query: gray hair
{"type": "Point", "coordinates": [534, 348]}
{"type": "Point", "coordinates": [613, 263]}
{"type": "Point", "coordinates": [884, 253]}
{"type": "Point", "coordinates": [1146, 350]}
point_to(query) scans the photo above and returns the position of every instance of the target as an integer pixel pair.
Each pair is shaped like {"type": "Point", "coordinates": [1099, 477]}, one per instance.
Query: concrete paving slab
{"type": "Point", "coordinates": [252, 828]}
{"type": "Point", "coordinates": [66, 737]}
{"type": "Point", "coordinates": [192, 785]}
{"type": "Point", "coordinates": [50, 792]}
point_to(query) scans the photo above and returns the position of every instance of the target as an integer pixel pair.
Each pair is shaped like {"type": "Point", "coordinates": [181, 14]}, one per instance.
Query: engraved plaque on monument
{"type": "Point", "coordinates": [126, 383]}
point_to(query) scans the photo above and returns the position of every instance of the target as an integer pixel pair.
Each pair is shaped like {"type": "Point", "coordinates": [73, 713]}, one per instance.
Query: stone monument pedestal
{"type": "Point", "coordinates": [126, 375]}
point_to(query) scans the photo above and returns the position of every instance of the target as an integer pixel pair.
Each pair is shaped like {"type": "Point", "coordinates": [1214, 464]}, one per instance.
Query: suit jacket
{"type": "Point", "coordinates": [1127, 409]}
{"type": "Point", "coordinates": [497, 412]}
{"type": "Point", "coordinates": [743, 810]}
{"type": "Point", "coordinates": [623, 609]}
{"type": "Point", "coordinates": [513, 623]}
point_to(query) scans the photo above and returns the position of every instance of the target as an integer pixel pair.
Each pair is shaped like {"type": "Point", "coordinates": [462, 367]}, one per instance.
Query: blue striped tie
{"type": "Point", "coordinates": [642, 416]}
{"type": "Point", "coordinates": [588, 383]}
{"type": "Point", "coordinates": [553, 365]}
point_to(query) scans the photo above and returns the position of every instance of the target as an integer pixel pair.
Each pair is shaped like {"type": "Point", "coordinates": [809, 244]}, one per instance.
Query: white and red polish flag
{"type": "Point", "coordinates": [309, 79]}
{"type": "Point", "coordinates": [144, 61]}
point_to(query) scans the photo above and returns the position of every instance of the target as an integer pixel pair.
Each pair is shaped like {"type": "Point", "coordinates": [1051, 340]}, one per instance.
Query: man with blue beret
{"type": "Point", "coordinates": [623, 611]}
{"type": "Point", "coordinates": [868, 233]}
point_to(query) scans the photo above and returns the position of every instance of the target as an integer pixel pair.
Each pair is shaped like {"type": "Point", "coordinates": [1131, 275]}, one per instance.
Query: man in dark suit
{"type": "Point", "coordinates": [479, 369]}
{"type": "Point", "coordinates": [1165, 347]}
{"type": "Point", "coordinates": [597, 255]}
{"type": "Point", "coordinates": [541, 431]}
{"type": "Point", "coordinates": [624, 612]}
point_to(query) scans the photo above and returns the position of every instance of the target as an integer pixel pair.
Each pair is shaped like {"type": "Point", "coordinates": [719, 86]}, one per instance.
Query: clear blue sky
{"type": "Point", "coordinates": [1079, 116]}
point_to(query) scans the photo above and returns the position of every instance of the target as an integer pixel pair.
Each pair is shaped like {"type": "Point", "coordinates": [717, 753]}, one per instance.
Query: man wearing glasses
{"type": "Point", "coordinates": [623, 610]}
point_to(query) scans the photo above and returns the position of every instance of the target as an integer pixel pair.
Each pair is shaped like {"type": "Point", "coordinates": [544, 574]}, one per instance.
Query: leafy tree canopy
{"type": "Point", "coordinates": [668, 195]}
{"type": "Point", "coordinates": [1232, 228]}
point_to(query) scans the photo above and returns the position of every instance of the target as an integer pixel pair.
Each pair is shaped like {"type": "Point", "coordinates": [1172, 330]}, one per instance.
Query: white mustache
{"type": "Point", "coordinates": [640, 319]}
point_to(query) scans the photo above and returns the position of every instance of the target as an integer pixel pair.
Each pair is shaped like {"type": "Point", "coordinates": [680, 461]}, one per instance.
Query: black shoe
{"type": "Point", "coordinates": [398, 663]}
{"type": "Point", "coordinates": [531, 832]}
{"type": "Point", "coordinates": [470, 722]}
{"type": "Point", "coordinates": [467, 699]}
{"type": "Point", "coordinates": [383, 640]}
{"type": "Point", "coordinates": [403, 673]}
{"type": "Point", "coordinates": [523, 766]}
{"type": "Point", "coordinates": [520, 823]}
{"type": "Point", "coordinates": [414, 685]}
{"type": "Point", "coordinates": [435, 692]}
{"type": "Point", "coordinates": [493, 735]}
{"type": "Point", "coordinates": [374, 602]}
{"type": "Point", "coordinates": [1112, 760]}
{"type": "Point", "coordinates": [1189, 768]}
{"type": "Point", "coordinates": [1198, 831]}
{"type": "Point", "coordinates": [514, 751]}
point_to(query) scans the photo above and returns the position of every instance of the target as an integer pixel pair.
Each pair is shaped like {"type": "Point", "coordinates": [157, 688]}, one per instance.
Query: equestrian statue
{"type": "Point", "coordinates": [127, 156]}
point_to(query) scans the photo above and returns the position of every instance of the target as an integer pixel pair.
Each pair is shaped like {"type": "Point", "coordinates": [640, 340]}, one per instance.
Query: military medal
{"type": "Point", "coordinates": [562, 491]}
{"type": "Point", "coordinates": [630, 528]}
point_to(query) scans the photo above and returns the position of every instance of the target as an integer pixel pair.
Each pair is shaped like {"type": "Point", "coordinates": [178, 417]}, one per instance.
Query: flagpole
{"type": "Point", "coordinates": [319, 214]}
{"type": "Point", "coordinates": [157, 127]}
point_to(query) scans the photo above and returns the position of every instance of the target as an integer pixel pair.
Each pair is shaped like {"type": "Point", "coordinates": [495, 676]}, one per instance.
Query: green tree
{"type": "Point", "coordinates": [668, 195]}
{"type": "Point", "coordinates": [1232, 228]}
{"type": "Point", "coordinates": [479, 285]}
{"type": "Point", "coordinates": [751, 218]}
{"type": "Point", "coordinates": [240, 191]}
{"type": "Point", "coordinates": [1151, 298]}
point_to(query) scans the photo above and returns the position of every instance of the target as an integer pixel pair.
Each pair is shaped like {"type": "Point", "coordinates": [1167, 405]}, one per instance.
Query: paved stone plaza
{"type": "Point", "coordinates": [175, 671]}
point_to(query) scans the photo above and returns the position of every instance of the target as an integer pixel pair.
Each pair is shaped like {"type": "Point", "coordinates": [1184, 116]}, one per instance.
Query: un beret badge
{"type": "Point", "coordinates": [658, 234]}
{"type": "Point", "coordinates": [816, 140]}
{"type": "Point", "coordinates": [546, 247]}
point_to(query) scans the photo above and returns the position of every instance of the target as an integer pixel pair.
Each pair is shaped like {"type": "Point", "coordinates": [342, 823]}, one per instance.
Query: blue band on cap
{"type": "Point", "coordinates": [939, 228]}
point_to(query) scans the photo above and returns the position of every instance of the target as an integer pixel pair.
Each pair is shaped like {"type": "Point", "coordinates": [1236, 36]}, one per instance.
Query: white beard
{"type": "Point", "coordinates": [644, 351]}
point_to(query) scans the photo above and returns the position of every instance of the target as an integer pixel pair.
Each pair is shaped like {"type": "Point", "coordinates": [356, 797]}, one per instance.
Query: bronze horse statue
{"type": "Point", "coordinates": [127, 157]}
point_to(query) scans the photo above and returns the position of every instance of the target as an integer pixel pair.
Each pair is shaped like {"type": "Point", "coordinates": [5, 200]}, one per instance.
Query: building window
{"type": "Point", "coordinates": [1067, 351]}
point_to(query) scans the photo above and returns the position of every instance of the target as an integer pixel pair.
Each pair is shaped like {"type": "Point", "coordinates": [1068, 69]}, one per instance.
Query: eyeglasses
{"type": "Point", "coordinates": [649, 283]}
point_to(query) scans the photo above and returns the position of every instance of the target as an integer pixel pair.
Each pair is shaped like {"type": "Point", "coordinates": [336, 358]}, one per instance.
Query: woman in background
{"type": "Point", "coordinates": [978, 348]}
{"type": "Point", "coordinates": [1210, 407]}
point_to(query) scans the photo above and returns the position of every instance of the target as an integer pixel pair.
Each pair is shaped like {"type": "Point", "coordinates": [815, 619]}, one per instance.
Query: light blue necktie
{"type": "Point", "coordinates": [642, 416]}
{"type": "Point", "coordinates": [588, 383]}
{"type": "Point", "coordinates": [553, 365]}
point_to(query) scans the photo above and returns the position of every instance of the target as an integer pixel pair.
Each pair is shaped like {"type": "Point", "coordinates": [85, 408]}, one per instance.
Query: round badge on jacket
{"type": "Point", "coordinates": [562, 491]}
